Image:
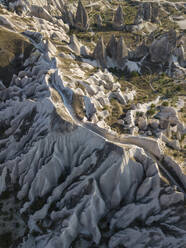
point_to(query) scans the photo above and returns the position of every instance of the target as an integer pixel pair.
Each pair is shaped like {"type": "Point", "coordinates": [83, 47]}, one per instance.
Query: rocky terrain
{"type": "Point", "coordinates": [92, 124]}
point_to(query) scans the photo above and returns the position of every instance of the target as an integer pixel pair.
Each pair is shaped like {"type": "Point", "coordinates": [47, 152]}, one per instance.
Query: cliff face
{"type": "Point", "coordinates": [66, 178]}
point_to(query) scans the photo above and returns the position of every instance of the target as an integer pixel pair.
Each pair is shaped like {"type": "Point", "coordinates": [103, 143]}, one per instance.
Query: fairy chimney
{"type": "Point", "coordinates": [155, 12]}
{"type": "Point", "coordinates": [112, 47]}
{"type": "Point", "coordinates": [121, 51]}
{"type": "Point", "coordinates": [118, 21]}
{"type": "Point", "coordinates": [99, 21]}
{"type": "Point", "coordinates": [81, 19]}
{"type": "Point", "coordinates": [147, 12]}
{"type": "Point", "coordinates": [100, 53]}
{"type": "Point", "coordinates": [74, 44]}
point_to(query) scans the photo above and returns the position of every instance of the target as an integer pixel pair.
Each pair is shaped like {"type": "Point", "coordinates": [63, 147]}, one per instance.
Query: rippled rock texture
{"type": "Point", "coordinates": [63, 185]}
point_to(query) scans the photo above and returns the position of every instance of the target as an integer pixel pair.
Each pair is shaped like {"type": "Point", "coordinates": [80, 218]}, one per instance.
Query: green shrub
{"type": "Point", "coordinates": [139, 114]}
{"type": "Point", "coordinates": [134, 74]}
{"type": "Point", "coordinates": [151, 112]}
{"type": "Point", "coordinates": [165, 103]}
{"type": "Point", "coordinates": [153, 105]}
{"type": "Point", "coordinates": [182, 110]}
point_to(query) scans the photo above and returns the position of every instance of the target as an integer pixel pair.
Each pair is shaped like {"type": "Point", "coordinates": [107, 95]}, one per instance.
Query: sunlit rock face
{"type": "Point", "coordinates": [63, 184]}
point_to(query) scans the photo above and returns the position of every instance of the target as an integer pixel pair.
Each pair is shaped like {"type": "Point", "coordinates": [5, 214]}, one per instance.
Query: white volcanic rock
{"type": "Point", "coordinates": [84, 51]}
{"type": "Point", "coordinates": [74, 44]}
{"type": "Point", "coordinates": [73, 183]}
{"type": "Point", "coordinates": [130, 118]}
{"type": "Point", "coordinates": [118, 95]}
{"type": "Point", "coordinates": [153, 123]}
{"type": "Point", "coordinates": [174, 144]}
{"type": "Point", "coordinates": [6, 23]}
{"type": "Point", "coordinates": [170, 114]}
{"type": "Point", "coordinates": [142, 123]}
{"type": "Point", "coordinates": [40, 12]}
{"type": "Point", "coordinates": [173, 198]}
{"type": "Point", "coordinates": [89, 107]}
{"type": "Point", "coordinates": [175, 170]}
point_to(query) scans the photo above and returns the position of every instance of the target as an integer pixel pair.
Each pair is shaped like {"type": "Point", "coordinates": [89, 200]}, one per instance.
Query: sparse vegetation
{"type": "Point", "coordinates": [165, 103]}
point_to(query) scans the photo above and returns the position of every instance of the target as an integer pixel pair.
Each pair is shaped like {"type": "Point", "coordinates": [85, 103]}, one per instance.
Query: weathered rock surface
{"type": "Point", "coordinates": [70, 183]}
{"type": "Point", "coordinates": [40, 12]}
{"type": "Point", "coordinates": [81, 18]}
{"type": "Point", "coordinates": [162, 48]}
{"type": "Point", "coordinates": [100, 53]}
{"type": "Point", "coordinates": [147, 11]}
{"type": "Point", "coordinates": [98, 21]}
{"type": "Point", "coordinates": [118, 20]}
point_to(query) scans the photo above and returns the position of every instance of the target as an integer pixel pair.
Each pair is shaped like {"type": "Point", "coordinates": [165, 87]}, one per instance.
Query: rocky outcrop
{"type": "Point", "coordinates": [100, 53]}
{"type": "Point", "coordinates": [118, 20]}
{"type": "Point", "coordinates": [66, 182]}
{"type": "Point", "coordinates": [68, 16]}
{"type": "Point", "coordinates": [117, 50]}
{"type": "Point", "coordinates": [40, 12]}
{"type": "Point", "coordinates": [141, 52]}
{"type": "Point", "coordinates": [148, 11]}
{"type": "Point", "coordinates": [74, 44]}
{"type": "Point", "coordinates": [81, 19]}
{"type": "Point", "coordinates": [121, 51]}
{"type": "Point", "coordinates": [163, 47]}
{"type": "Point", "coordinates": [98, 21]}
{"type": "Point", "coordinates": [112, 47]}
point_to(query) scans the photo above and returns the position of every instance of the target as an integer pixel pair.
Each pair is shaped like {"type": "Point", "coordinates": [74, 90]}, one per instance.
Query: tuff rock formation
{"type": "Point", "coordinates": [148, 11]}
{"type": "Point", "coordinates": [121, 51]}
{"type": "Point", "coordinates": [81, 19]}
{"type": "Point", "coordinates": [162, 48]}
{"type": "Point", "coordinates": [98, 21]}
{"type": "Point", "coordinates": [100, 53]}
{"type": "Point", "coordinates": [74, 44]}
{"type": "Point", "coordinates": [66, 178]}
{"type": "Point", "coordinates": [118, 20]}
{"type": "Point", "coordinates": [112, 47]}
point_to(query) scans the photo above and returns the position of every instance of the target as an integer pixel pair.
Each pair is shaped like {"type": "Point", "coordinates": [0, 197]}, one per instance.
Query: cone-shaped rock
{"type": "Point", "coordinates": [122, 51]}
{"type": "Point", "coordinates": [147, 11]}
{"type": "Point", "coordinates": [139, 16]}
{"type": "Point", "coordinates": [74, 44]}
{"type": "Point", "coordinates": [118, 21]}
{"type": "Point", "coordinates": [154, 12]}
{"type": "Point", "coordinates": [141, 51]}
{"type": "Point", "coordinates": [68, 16]}
{"type": "Point", "coordinates": [112, 47]}
{"type": "Point", "coordinates": [100, 53]}
{"type": "Point", "coordinates": [81, 19]}
{"type": "Point", "coordinates": [163, 47]}
{"type": "Point", "coordinates": [98, 21]}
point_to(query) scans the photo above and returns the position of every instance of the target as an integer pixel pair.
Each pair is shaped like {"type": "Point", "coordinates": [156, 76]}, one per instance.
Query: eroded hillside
{"type": "Point", "coordinates": [92, 124]}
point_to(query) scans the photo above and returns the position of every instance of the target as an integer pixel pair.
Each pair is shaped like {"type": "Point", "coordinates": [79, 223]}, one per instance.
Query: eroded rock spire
{"type": "Point", "coordinates": [118, 21]}
{"type": "Point", "coordinates": [81, 19]}
{"type": "Point", "coordinates": [121, 51]}
{"type": "Point", "coordinates": [98, 21]}
{"type": "Point", "coordinates": [100, 53]}
{"type": "Point", "coordinates": [112, 47]}
{"type": "Point", "coordinates": [147, 12]}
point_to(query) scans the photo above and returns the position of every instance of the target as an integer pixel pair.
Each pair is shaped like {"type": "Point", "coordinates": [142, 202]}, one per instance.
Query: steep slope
{"type": "Point", "coordinates": [66, 181]}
